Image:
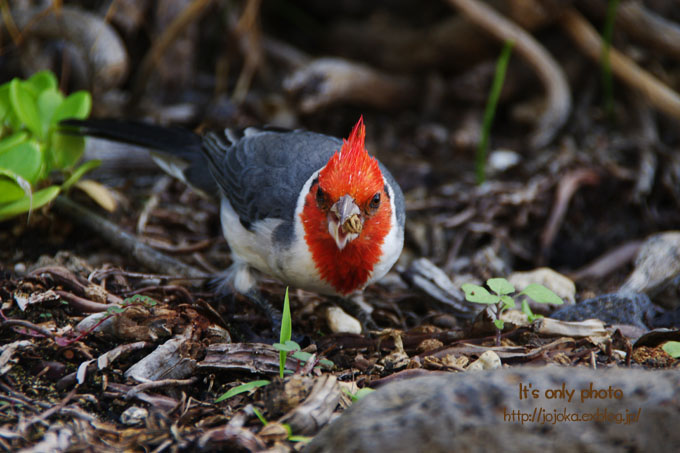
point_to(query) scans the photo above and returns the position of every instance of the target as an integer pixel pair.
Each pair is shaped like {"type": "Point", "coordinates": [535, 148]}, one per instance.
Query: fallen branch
{"type": "Point", "coordinates": [656, 92]}
{"type": "Point", "coordinates": [96, 41]}
{"type": "Point", "coordinates": [558, 95]}
{"type": "Point", "coordinates": [124, 241]}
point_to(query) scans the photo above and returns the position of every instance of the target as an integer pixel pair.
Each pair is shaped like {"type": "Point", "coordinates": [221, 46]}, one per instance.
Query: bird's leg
{"type": "Point", "coordinates": [356, 306]}
{"type": "Point", "coordinates": [273, 314]}
{"type": "Point", "coordinates": [239, 279]}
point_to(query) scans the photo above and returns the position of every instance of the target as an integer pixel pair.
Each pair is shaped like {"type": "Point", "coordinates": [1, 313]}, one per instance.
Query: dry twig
{"type": "Point", "coordinates": [656, 92]}
{"type": "Point", "coordinates": [558, 96]}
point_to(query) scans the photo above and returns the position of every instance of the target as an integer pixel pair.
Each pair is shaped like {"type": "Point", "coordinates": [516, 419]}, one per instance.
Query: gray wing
{"type": "Point", "coordinates": [263, 172]}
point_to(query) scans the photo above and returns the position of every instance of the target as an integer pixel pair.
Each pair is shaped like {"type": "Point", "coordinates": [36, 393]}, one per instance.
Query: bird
{"type": "Point", "coordinates": [313, 211]}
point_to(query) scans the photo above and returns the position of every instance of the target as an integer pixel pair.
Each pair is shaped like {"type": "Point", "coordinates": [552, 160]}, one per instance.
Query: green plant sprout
{"type": "Point", "coordinates": [490, 110]}
{"type": "Point", "coordinates": [285, 347]}
{"type": "Point", "coordinates": [31, 147]}
{"type": "Point", "coordinates": [248, 386]}
{"type": "Point", "coordinates": [292, 347]}
{"type": "Point", "coordinates": [137, 299]}
{"type": "Point", "coordinates": [285, 334]}
{"type": "Point", "coordinates": [359, 394]}
{"type": "Point", "coordinates": [501, 299]}
{"type": "Point", "coordinates": [259, 415]}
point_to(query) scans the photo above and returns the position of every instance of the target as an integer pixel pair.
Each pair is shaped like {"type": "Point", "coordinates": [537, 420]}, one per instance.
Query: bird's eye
{"type": "Point", "coordinates": [321, 198]}
{"type": "Point", "coordinates": [374, 204]}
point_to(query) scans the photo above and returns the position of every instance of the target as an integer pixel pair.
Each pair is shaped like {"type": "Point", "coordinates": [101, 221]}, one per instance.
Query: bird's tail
{"type": "Point", "coordinates": [176, 150]}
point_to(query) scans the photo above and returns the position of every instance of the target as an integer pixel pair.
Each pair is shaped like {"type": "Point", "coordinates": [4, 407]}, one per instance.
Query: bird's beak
{"type": "Point", "coordinates": [344, 221]}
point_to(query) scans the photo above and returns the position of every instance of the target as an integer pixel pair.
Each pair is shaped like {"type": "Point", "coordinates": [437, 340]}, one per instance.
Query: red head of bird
{"type": "Point", "coordinates": [347, 215]}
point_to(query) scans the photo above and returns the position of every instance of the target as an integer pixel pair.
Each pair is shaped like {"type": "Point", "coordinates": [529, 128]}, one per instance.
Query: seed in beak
{"type": "Point", "coordinates": [352, 225]}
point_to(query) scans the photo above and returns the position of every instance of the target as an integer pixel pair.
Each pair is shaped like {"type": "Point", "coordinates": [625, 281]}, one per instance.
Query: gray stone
{"type": "Point", "coordinates": [460, 412]}
{"type": "Point", "coordinates": [617, 308]}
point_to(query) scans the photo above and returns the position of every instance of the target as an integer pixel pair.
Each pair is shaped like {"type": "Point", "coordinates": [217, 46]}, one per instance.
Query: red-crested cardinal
{"type": "Point", "coordinates": [316, 212]}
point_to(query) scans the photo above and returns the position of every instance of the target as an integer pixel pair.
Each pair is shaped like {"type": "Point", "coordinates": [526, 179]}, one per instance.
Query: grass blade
{"type": "Point", "coordinates": [490, 110]}
{"type": "Point", "coordinates": [286, 332]}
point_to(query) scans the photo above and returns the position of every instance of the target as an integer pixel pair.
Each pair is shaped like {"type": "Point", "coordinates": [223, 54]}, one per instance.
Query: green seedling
{"type": "Point", "coordinates": [285, 347]}
{"type": "Point", "coordinates": [292, 348]}
{"type": "Point", "coordinates": [248, 386]}
{"type": "Point", "coordinates": [359, 394]}
{"type": "Point", "coordinates": [31, 148]}
{"type": "Point", "coordinates": [285, 334]}
{"type": "Point", "coordinates": [501, 299]}
{"type": "Point", "coordinates": [259, 415]}
{"type": "Point", "coordinates": [490, 110]}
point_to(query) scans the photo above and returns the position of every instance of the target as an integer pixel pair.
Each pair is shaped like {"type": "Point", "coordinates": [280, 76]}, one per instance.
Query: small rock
{"type": "Point", "coordinates": [134, 415]}
{"type": "Point", "coordinates": [656, 266]}
{"type": "Point", "coordinates": [429, 344]}
{"type": "Point", "coordinates": [503, 159]}
{"type": "Point", "coordinates": [516, 317]}
{"type": "Point", "coordinates": [489, 360]}
{"type": "Point", "coordinates": [554, 281]}
{"type": "Point", "coordinates": [633, 309]}
{"type": "Point", "coordinates": [341, 322]}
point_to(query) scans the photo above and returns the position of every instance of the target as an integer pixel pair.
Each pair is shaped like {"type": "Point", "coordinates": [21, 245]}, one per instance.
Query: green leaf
{"type": "Point", "coordinates": [10, 189]}
{"type": "Point", "coordinates": [79, 172]}
{"type": "Point", "coordinates": [478, 294]}
{"type": "Point", "coordinates": [65, 150]}
{"type": "Point", "coordinates": [76, 105]}
{"type": "Point", "coordinates": [40, 198]}
{"type": "Point", "coordinates": [241, 389]}
{"type": "Point", "coordinates": [24, 105]}
{"type": "Point", "coordinates": [12, 186]}
{"type": "Point", "coordinates": [115, 309]}
{"type": "Point", "coordinates": [48, 103]}
{"type": "Point", "coordinates": [541, 294]}
{"type": "Point", "coordinates": [490, 110]}
{"type": "Point", "coordinates": [286, 347]}
{"type": "Point", "coordinates": [299, 438]}
{"type": "Point", "coordinates": [12, 140]}
{"type": "Point", "coordinates": [500, 286]}
{"type": "Point", "coordinates": [499, 324]}
{"type": "Point", "coordinates": [526, 309]}
{"type": "Point", "coordinates": [43, 81]}
{"type": "Point", "coordinates": [362, 392]}
{"type": "Point", "coordinates": [672, 348]}
{"type": "Point", "coordinates": [302, 356]}
{"type": "Point", "coordinates": [260, 416]}
{"type": "Point", "coordinates": [140, 299]}
{"type": "Point", "coordinates": [286, 332]}
{"type": "Point", "coordinates": [508, 302]}
{"type": "Point", "coordinates": [24, 159]}
{"type": "Point", "coordinates": [5, 104]}
{"type": "Point", "coordinates": [326, 363]}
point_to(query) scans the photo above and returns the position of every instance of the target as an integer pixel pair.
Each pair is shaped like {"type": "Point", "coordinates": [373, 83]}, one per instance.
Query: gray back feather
{"type": "Point", "coordinates": [262, 174]}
